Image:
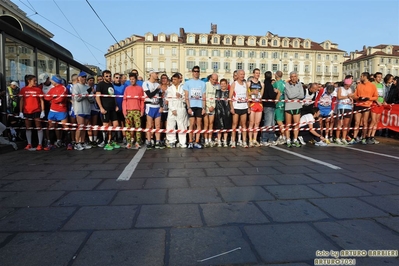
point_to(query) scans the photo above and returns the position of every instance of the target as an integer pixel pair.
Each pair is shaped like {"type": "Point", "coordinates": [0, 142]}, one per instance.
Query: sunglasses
{"type": "Point", "coordinates": [107, 76]}
{"type": "Point", "coordinates": [196, 71]}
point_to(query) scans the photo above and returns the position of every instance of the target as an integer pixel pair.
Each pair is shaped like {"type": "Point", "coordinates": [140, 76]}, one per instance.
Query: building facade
{"type": "Point", "coordinates": [381, 58]}
{"type": "Point", "coordinates": [224, 53]}
{"type": "Point", "coordinates": [26, 48]}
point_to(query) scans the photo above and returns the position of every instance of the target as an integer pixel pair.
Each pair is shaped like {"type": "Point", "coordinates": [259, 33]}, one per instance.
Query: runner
{"type": "Point", "coordinates": [365, 93]}
{"type": "Point", "coordinates": [376, 108]}
{"type": "Point", "coordinates": [255, 92]}
{"type": "Point", "coordinates": [270, 94]}
{"type": "Point", "coordinates": [294, 93]}
{"type": "Point", "coordinates": [280, 106]}
{"type": "Point", "coordinates": [325, 101]}
{"type": "Point", "coordinates": [211, 87]}
{"type": "Point", "coordinates": [108, 109]}
{"type": "Point", "coordinates": [32, 108]}
{"type": "Point", "coordinates": [177, 115]}
{"type": "Point", "coordinates": [81, 105]}
{"type": "Point", "coordinates": [309, 124]}
{"type": "Point", "coordinates": [345, 108]}
{"type": "Point", "coordinates": [153, 109]}
{"type": "Point", "coordinates": [58, 108]}
{"type": "Point", "coordinates": [133, 110]}
{"type": "Point", "coordinates": [239, 108]}
{"type": "Point", "coordinates": [195, 95]}
{"type": "Point", "coordinates": [222, 112]}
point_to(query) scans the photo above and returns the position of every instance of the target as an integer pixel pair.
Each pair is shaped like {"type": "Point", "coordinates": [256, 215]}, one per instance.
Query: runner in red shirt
{"type": "Point", "coordinates": [32, 108]}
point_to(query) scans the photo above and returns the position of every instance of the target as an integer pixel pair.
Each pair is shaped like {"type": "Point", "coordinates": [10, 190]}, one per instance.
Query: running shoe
{"type": "Point", "coordinates": [331, 139]}
{"type": "Point", "coordinates": [198, 146]}
{"type": "Point", "coordinates": [364, 141]}
{"type": "Point", "coordinates": [296, 143]}
{"type": "Point", "coordinates": [69, 147]}
{"type": "Point", "coordinates": [220, 144]}
{"type": "Point", "coordinates": [94, 144]}
{"type": "Point", "coordinates": [272, 143]}
{"type": "Point", "coordinates": [49, 147]}
{"type": "Point", "coordinates": [39, 147]}
{"type": "Point", "coordinates": [136, 146]}
{"type": "Point", "coordinates": [244, 145]}
{"type": "Point", "coordinates": [338, 141]}
{"type": "Point", "coordinates": [233, 144]}
{"type": "Point", "coordinates": [207, 144]}
{"type": "Point", "coordinates": [191, 145]}
{"type": "Point", "coordinates": [101, 145]}
{"type": "Point", "coordinates": [28, 147]}
{"type": "Point", "coordinates": [128, 146]}
{"type": "Point", "coordinates": [255, 143]}
{"type": "Point", "coordinates": [78, 147]}
{"type": "Point", "coordinates": [161, 145]}
{"type": "Point", "coordinates": [327, 141]}
{"type": "Point", "coordinates": [320, 143]}
{"type": "Point", "coordinates": [301, 140]}
{"type": "Point", "coordinates": [265, 144]}
{"type": "Point", "coordinates": [370, 141]}
{"type": "Point", "coordinates": [183, 146]}
{"type": "Point", "coordinates": [225, 145]}
{"type": "Point", "coordinates": [344, 142]}
{"type": "Point", "coordinates": [352, 141]}
{"type": "Point", "coordinates": [157, 145]}
{"type": "Point", "coordinates": [251, 144]}
{"type": "Point", "coordinates": [149, 145]}
{"type": "Point", "coordinates": [86, 146]}
{"type": "Point", "coordinates": [239, 143]}
{"type": "Point", "coordinates": [289, 145]}
{"type": "Point", "coordinates": [170, 145]}
{"type": "Point", "coordinates": [58, 144]}
{"type": "Point", "coordinates": [108, 147]}
{"type": "Point", "coordinates": [115, 145]}
{"type": "Point", "coordinates": [212, 144]}
{"type": "Point", "coordinates": [376, 141]}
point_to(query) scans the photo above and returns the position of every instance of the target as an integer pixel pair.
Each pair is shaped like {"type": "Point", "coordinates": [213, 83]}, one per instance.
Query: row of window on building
{"type": "Point", "coordinates": [240, 53]}
{"type": "Point", "coordinates": [22, 60]}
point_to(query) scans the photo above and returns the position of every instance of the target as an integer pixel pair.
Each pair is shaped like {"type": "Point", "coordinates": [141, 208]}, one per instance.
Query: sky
{"type": "Point", "coordinates": [351, 24]}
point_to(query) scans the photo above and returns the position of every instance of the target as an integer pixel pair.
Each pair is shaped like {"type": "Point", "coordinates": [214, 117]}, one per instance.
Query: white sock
{"type": "Point", "coordinates": [40, 136]}
{"type": "Point", "coordinates": [29, 136]}
{"type": "Point", "coordinates": [94, 138]}
{"type": "Point", "coordinates": [91, 138]}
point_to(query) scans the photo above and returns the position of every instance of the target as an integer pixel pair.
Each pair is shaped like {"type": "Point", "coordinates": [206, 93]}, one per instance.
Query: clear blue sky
{"type": "Point", "coordinates": [351, 24]}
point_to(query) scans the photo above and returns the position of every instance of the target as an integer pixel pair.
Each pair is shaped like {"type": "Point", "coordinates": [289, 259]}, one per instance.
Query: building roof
{"type": "Point", "coordinates": [183, 36]}
{"type": "Point", "coordinates": [373, 51]}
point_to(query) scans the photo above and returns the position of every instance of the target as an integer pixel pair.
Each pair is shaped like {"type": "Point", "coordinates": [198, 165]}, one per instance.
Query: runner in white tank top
{"type": "Point", "coordinates": [239, 107]}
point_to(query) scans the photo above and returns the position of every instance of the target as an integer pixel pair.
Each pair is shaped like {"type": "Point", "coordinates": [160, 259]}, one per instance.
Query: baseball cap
{"type": "Point", "coordinates": [14, 83]}
{"type": "Point", "coordinates": [82, 74]}
{"type": "Point", "coordinates": [152, 70]}
{"type": "Point", "coordinates": [56, 79]}
{"type": "Point", "coordinates": [348, 81]}
{"type": "Point", "coordinates": [90, 77]}
{"type": "Point", "coordinates": [42, 78]}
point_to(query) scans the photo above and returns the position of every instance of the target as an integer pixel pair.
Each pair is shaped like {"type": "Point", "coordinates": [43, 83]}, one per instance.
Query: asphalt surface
{"type": "Point", "coordinates": [256, 206]}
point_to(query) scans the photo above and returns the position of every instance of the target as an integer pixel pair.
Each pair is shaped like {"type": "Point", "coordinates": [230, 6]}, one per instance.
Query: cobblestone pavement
{"type": "Point", "coordinates": [266, 206]}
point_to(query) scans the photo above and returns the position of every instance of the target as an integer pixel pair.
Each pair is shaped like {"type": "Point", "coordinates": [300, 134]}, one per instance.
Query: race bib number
{"type": "Point", "coordinates": [196, 93]}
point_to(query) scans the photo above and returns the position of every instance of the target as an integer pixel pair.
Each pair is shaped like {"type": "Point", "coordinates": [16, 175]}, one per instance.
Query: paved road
{"type": "Point", "coordinates": [267, 206]}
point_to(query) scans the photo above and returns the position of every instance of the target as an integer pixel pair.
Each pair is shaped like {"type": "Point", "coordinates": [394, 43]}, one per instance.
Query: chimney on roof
{"type": "Point", "coordinates": [214, 28]}
{"type": "Point", "coordinates": [182, 33]}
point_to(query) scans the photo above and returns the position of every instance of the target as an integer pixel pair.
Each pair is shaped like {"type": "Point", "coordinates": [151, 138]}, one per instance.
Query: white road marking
{"type": "Point", "coordinates": [129, 169]}
{"type": "Point", "coordinates": [308, 158]}
{"type": "Point", "coordinates": [372, 152]}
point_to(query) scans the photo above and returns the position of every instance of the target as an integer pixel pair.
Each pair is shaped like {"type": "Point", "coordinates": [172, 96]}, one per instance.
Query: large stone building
{"type": "Point", "coordinates": [224, 53]}
{"type": "Point", "coordinates": [381, 58]}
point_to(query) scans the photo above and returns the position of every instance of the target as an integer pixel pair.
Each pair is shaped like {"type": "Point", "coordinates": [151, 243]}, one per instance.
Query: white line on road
{"type": "Point", "coordinates": [308, 158]}
{"type": "Point", "coordinates": [129, 169]}
{"type": "Point", "coordinates": [372, 152]}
